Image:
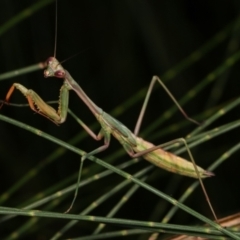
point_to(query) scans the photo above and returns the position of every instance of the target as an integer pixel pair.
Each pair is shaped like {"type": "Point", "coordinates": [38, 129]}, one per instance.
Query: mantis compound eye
{"type": "Point", "coordinates": [59, 74]}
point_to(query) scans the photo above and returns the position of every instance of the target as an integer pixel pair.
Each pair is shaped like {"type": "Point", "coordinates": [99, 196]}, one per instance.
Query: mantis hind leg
{"type": "Point", "coordinates": [199, 172]}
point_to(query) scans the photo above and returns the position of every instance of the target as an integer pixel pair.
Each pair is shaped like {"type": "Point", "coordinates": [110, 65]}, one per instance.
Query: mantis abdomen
{"type": "Point", "coordinates": [169, 161]}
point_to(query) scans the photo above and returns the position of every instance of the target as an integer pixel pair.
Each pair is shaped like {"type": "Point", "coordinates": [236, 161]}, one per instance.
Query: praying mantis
{"type": "Point", "coordinates": [134, 146]}
{"type": "Point", "coordinates": [76, 103]}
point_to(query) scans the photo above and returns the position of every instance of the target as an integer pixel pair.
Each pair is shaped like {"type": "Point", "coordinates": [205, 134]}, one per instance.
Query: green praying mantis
{"type": "Point", "coordinates": [134, 146]}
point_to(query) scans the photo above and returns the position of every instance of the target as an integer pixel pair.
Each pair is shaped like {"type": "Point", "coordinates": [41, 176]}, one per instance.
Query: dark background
{"type": "Point", "coordinates": [121, 45]}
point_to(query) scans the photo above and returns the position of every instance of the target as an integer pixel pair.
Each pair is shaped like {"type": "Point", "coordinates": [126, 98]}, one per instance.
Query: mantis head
{"type": "Point", "coordinates": [54, 68]}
